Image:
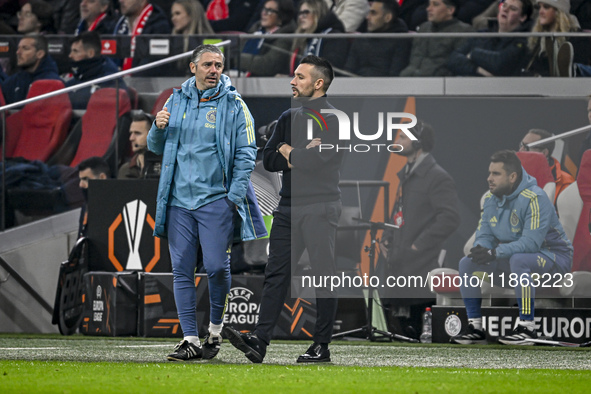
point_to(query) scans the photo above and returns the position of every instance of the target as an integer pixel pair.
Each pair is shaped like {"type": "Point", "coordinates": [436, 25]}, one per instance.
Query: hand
{"type": "Point", "coordinates": [314, 143]}
{"type": "Point", "coordinates": [482, 255]}
{"type": "Point", "coordinates": [162, 118]}
{"type": "Point", "coordinates": [484, 72]}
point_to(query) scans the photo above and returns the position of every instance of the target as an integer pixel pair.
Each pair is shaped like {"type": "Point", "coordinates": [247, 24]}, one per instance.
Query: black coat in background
{"type": "Point", "coordinates": [430, 208]}
{"type": "Point", "coordinates": [501, 56]}
{"type": "Point", "coordinates": [377, 57]}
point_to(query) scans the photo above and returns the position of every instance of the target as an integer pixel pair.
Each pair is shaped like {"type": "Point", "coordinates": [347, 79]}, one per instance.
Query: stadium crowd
{"type": "Point", "coordinates": [407, 55]}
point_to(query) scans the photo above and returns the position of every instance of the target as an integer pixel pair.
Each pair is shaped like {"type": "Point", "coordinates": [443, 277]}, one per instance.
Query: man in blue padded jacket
{"type": "Point", "coordinates": [206, 135]}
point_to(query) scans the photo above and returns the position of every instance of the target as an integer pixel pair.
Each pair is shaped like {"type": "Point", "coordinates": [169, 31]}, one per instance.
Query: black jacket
{"type": "Point", "coordinates": [430, 209]}
{"type": "Point", "coordinates": [500, 56]}
{"type": "Point", "coordinates": [104, 27]}
{"type": "Point", "coordinates": [87, 70]}
{"type": "Point", "coordinates": [16, 86]}
{"type": "Point", "coordinates": [377, 57]}
{"type": "Point", "coordinates": [315, 175]}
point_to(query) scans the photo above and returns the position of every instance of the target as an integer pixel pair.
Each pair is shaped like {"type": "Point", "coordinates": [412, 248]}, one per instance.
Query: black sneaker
{"type": "Point", "coordinates": [519, 336]}
{"type": "Point", "coordinates": [253, 348]}
{"type": "Point", "coordinates": [470, 336]}
{"type": "Point", "coordinates": [185, 351]}
{"type": "Point", "coordinates": [211, 346]}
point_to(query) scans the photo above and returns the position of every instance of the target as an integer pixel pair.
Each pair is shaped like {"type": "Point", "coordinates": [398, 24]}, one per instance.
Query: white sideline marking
{"type": "Point", "coordinates": [30, 348]}
{"type": "Point", "coordinates": [62, 348]}
{"type": "Point", "coordinates": [169, 345]}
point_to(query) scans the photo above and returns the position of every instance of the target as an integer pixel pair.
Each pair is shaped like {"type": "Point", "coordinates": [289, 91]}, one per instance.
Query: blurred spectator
{"type": "Point", "coordinates": [429, 56]}
{"type": "Point", "coordinates": [140, 17]}
{"type": "Point", "coordinates": [581, 9]}
{"type": "Point", "coordinates": [267, 56]}
{"type": "Point", "coordinates": [315, 17]}
{"type": "Point", "coordinates": [493, 56]}
{"type": "Point", "coordinates": [469, 9]}
{"type": "Point", "coordinates": [587, 141]}
{"type": "Point", "coordinates": [143, 163]}
{"type": "Point", "coordinates": [34, 63]}
{"type": "Point", "coordinates": [380, 56]}
{"type": "Point", "coordinates": [96, 15]}
{"type": "Point", "coordinates": [561, 178]}
{"type": "Point", "coordinates": [554, 56]}
{"type": "Point", "coordinates": [413, 13]}
{"type": "Point", "coordinates": [87, 64]}
{"type": "Point", "coordinates": [483, 20]}
{"type": "Point", "coordinates": [350, 12]}
{"type": "Point", "coordinates": [230, 15]}
{"type": "Point", "coordinates": [36, 16]}
{"type": "Point", "coordinates": [66, 14]}
{"type": "Point", "coordinates": [92, 168]}
{"type": "Point", "coordinates": [188, 18]}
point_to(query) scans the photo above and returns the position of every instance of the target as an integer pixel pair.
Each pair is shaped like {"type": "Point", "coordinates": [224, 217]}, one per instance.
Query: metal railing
{"type": "Point", "coordinates": [114, 76]}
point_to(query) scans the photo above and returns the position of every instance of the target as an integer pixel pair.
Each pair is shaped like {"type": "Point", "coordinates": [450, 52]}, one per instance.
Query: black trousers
{"type": "Point", "coordinates": [314, 229]}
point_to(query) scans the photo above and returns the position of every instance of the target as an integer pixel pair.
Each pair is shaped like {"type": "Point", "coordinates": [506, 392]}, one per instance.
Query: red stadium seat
{"type": "Point", "coordinates": [98, 123]}
{"type": "Point", "coordinates": [94, 134]}
{"type": "Point", "coordinates": [536, 165]}
{"type": "Point", "coordinates": [40, 127]}
{"type": "Point", "coordinates": [162, 97]}
{"type": "Point", "coordinates": [582, 241]}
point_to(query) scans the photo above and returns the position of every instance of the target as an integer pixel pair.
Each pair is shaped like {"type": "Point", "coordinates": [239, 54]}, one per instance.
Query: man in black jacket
{"type": "Point", "coordinates": [307, 215]}
{"type": "Point", "coordinates": [375, 57]}
{"type": "Point", "coordinates": [87, 64]}
{"type": "Point", "coordinates": [426, 209]}
{"type": "Point", "coordinates": [496, 56]}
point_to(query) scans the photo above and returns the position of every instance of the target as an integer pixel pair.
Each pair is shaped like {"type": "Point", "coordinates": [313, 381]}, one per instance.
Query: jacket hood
{"type": "Point", "coordinates": [527, 181]}
{"type": "Point", "coordinates": [47, 65]}
{"type": "Point", "coordinates": [223, 87]}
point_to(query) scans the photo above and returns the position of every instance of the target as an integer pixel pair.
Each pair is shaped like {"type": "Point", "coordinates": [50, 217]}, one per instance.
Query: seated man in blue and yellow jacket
{"type": "Point", "coordinates": [518, 235]}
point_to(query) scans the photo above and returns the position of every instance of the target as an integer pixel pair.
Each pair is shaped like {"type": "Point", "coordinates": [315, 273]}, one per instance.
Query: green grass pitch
{"type": "Point", "coordinates": [77, 364]}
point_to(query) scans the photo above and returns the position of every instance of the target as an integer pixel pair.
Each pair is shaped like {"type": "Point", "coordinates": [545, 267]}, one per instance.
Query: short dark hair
{"type": "Point", "coordinates": [527, 8]}
{"type": "Point", "coordinates": [451, 3]}
{"type": "Point", "coordinates": [425, 134]}
{"type": "Point", "coordinates": [511, 162]}
{"type": "Point", "coordinates": [44, 13]}
{"type": "Point", "coordinates": [201, 49]}
{"type": "Point", "coordinates": [390, 6]}
{"type": "Point", "coordinates": [323, 67]}
{"type": "Point", "coordinates": [141, 116]}
{"type": "Point", "coordinates": [41, 43]}
{"type": "Point", "coordinates": [543, 134]}
{"type": "Point", "coordinates": [97, 165]}
{"type": "Point", "coordinates": [90, 40]}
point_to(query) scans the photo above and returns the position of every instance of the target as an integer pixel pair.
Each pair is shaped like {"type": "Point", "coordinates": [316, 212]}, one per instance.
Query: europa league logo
{"type": "Point", "coordinates": [134, 216]}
